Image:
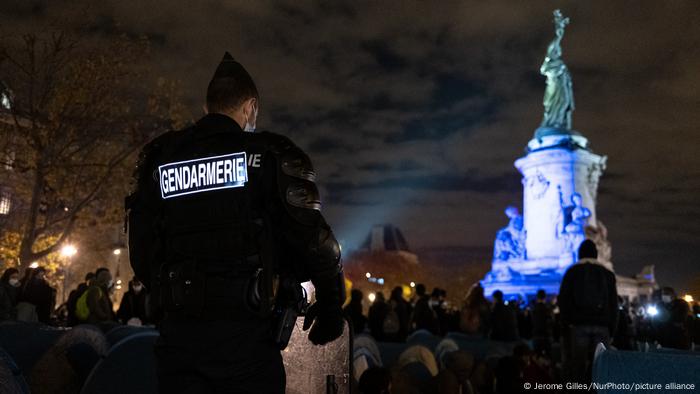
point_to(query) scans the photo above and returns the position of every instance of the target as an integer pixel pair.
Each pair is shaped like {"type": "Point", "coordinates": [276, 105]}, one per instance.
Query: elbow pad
{"type": "Point", "coordinates": [296, 183]}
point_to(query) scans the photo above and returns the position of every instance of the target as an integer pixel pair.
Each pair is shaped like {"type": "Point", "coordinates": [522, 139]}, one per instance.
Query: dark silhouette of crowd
{"type": "Point", "coordinates": [489, 343]}
{"type": "Point", "coordinates": [546, 339]}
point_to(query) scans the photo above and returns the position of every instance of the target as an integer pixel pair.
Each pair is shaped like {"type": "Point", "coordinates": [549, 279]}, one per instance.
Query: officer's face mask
{"type": "Point", "coordinates": [138, 288]}
{"type": "Point", "coordinates": [666, 299]}
{"type": "Point", "coordinates": [250, 127]}
{"type": "Point", "coordinates": [14, 282]}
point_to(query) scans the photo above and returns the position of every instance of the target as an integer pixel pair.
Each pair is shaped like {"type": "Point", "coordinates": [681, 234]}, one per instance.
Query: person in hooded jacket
{"type": "Point", "coordinates": [98, 301]}
{"type": "Point", "coordinates": [9, 290]}
{"type": "Point", "coordinates": [133, 309]}
{"type": "Point", "coordinates": [37, 291]}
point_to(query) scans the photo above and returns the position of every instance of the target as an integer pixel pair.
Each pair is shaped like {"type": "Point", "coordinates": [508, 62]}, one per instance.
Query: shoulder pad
{"type": "Point", "coordinates": [295, 179]}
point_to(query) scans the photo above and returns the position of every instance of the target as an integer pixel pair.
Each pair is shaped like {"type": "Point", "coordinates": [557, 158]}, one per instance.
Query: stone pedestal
{"type": "Point", "coordinates": [560, 183]}
{"type": "Point", "coordinates": [557, 167]}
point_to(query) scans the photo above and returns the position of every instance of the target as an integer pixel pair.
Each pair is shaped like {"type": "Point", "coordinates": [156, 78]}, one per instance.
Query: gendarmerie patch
{"type": "Point", "coordinates": [203, 175]}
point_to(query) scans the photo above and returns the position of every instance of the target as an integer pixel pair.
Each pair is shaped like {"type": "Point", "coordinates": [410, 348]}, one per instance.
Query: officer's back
{"type": "Point", "coordinates": [219, 214]}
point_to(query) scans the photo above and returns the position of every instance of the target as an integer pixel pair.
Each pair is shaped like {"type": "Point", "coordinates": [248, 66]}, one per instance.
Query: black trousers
{"type": "Point", "coordinates": [578, 348]}
{"type": "Point", "coordinates": [218, 356]}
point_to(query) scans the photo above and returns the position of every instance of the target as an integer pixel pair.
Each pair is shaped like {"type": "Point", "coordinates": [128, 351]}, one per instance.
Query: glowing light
{"type": "Point", "coordinates": [652, 310]}
{"type": "Point", "coordinates": [688, 298]}
{"type": "Point", "coordinates": [372, 297]}
{"type": "Point", "coordinates": [117, 252]}
{"type": "Point", "coordinates": [34, 265]}
{"type": "Point", "coordinates": [69, 251]}
{"type": "Point", "coordinates": [5, 101]}
{"type": "Point", "coordinates": [119, 287]}
{"type": "Point", "coordinates": [406, 292]}
{"type": "Point", "coordinates": [380, 281]}
{"type": "Point", "coordinates": [368, 275]}
{"type": "Point", "coordinates": [119, 281]}
{"type": "Point", "coordinates": [413, 284]}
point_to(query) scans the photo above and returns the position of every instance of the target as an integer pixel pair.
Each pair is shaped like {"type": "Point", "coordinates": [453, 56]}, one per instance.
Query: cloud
{"type": "Point", "coordinates": [414, 112]}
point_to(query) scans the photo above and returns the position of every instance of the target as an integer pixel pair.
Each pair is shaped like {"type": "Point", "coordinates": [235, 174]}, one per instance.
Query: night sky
{"type": "Point", "coordinates": [413, 112]}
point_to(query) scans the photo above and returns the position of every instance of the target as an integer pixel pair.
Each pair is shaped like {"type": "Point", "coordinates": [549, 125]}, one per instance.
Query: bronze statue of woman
{"type": "Point", "coordinates": [559, 94]}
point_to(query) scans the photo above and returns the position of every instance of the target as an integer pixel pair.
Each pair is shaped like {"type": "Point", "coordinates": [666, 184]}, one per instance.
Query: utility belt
{"type": "Point", "coordinates": [186, 291]}
{"type": "Point", "coordinates": [190, 288]}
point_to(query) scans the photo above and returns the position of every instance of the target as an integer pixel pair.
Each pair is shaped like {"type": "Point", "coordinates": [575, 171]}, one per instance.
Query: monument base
{"type": "Point", "coordinates": [523, 287]}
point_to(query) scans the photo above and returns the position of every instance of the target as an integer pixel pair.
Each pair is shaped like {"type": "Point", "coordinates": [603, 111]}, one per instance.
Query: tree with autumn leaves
{"type": "Point", "coordinates": [76, 113]}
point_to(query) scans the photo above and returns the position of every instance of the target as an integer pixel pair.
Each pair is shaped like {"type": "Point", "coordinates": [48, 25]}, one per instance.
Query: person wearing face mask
{"type": "Point", "coordinates": [132, 309]}
{"type": "Point", "coordinates": [37, 292]}
{"type": "Point", "coordinates": [220, 212]}
{"type": "Point", "coordinates": [97, 298]}
{"type": "Point", "coordinates": [9, 289]}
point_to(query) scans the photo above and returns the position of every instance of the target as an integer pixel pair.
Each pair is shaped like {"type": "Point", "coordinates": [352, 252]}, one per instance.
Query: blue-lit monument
{"type": "Point", "coordinates": [560, 182]}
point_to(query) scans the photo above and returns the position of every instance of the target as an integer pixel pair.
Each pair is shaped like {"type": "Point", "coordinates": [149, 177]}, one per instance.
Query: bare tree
{"type": "Point", "coordinates": [78, 110]}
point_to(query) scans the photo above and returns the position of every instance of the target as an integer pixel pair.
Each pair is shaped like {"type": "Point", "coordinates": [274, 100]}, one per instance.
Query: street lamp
{"type": "Point", "coordinates": [68, 251]}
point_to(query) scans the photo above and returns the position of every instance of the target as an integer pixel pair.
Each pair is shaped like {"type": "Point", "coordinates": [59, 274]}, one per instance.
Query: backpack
{"type": "Point", "coordinates": [391, 324]}
{"type": "Point", "coordinates": [82, 312]}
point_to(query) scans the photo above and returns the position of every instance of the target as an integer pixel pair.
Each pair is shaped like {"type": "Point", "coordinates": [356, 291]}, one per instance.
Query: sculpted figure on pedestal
{"type": "Point", "coordinates": [510, 240]}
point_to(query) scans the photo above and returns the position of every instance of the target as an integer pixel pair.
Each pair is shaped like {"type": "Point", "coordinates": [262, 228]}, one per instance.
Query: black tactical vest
{"type": "Point", "coordinates": [211, 184]}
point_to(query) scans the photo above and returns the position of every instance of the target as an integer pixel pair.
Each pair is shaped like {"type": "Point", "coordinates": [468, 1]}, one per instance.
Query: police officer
{"type": "Point", "coordinates": [219, 216]}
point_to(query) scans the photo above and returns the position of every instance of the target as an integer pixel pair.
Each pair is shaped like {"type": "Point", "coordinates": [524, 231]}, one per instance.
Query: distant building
{"type": "Point", "coordinates": [387, 238]}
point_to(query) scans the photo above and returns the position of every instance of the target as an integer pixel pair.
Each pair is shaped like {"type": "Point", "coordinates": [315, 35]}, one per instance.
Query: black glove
{"type": "Point", "coordinates": [328, 323]}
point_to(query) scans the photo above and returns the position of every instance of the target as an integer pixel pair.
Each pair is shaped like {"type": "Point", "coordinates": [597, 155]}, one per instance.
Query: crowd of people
{"type": "Point", "coordinates": [553, 337]}
{"type": "Point", "coordinates": [32, 299]}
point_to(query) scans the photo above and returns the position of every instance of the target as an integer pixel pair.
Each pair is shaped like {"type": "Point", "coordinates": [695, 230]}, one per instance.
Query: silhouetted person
{"type": "Point", "coordinates": [395, 324]}
{"type": "Point", "coordinates": [504, 321]}
{"type": "Point", "coordinates": [377, 313]}
{"type": "Point", "coordinates": [454, 378]}
{"type": "Point", "coordinates": [624, 334]}
{"type": "Point", "coordinates": [73, 297]}
{"type": "Point", "coordinates": [542, 321]}
{"type": "Point", "coordinates": [98, 302]}
{"type": "Point", "coordinates": [424, 317]}
{"type": "Point", "coordinates": [588, 308]}
{"type": "Point", "coordinates": [440, 308]}
{"type": "Point", "coordinates": [354, 311]}
{"type": "Point", "coordinates": [9, 290]}
{"type": "Point", "coordinates": [37, 292]}
{"type": "Point", "coordinates": [133, 304]}
{"type": "Point", "coordinates": [375, 380]}
{"type": "Point", "coordinates": [475, 315]}
{"type": "Point", "coordinates": [676, 331]}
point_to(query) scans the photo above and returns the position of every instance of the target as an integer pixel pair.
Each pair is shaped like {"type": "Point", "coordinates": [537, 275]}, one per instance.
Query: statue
{"type": "Point", "coordinates": [575, 229]}
{"type": "Point", "coordinates": [559, 95]}
{"type": "Point", "coordinates": [510, 240]}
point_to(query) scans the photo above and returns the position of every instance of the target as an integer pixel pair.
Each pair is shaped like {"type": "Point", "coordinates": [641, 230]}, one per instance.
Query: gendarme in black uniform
{"type": "Point", "coordinates": [213, 206]}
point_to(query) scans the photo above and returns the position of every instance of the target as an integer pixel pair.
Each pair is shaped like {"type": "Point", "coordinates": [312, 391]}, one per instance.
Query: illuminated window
{"type": "Point", "coordinates": [5, 202]}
